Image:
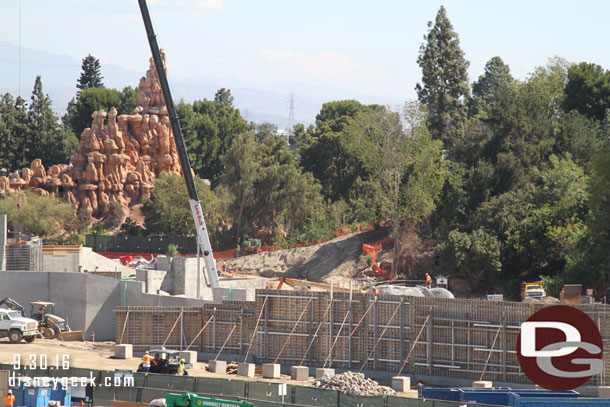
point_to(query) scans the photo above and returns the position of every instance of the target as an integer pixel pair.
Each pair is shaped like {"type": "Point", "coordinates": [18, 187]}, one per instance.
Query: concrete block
{"type": "Point", "coordinates": [401, 383]}
{"type": "Point", "coordinates": [217, 366]}
{"type": "Point", "coordinates": [189, 356]}
{"type": "Point", "coordinates": [321, 372]}
{"type": "Point", "coordinates": [271, 370]}
{"type": "Point", "coordinates": [299, 372]}
{"type": "Point", "coordinates": [482, 384]}
{"type": "Point", "coordinates": [603, 392]}
{"type": "Point", "coordinates": [245, 369]}
{"type": "Point", "coordinates": [123, 351]}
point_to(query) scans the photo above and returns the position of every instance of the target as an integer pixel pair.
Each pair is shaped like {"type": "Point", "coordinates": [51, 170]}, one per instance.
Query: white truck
{"type": "Point", "coordinates": [16, 327]}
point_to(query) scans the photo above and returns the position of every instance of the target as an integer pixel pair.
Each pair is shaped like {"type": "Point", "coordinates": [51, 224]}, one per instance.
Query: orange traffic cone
{"type": "Point", "coordinates": [358, 229]}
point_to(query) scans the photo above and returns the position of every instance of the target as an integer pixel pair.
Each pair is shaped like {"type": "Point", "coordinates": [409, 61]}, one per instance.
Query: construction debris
{"type": "Point", "coordinates": [353, 383]}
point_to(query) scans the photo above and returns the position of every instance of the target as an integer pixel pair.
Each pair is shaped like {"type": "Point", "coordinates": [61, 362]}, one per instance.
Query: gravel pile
{"type": "Point", "coordinates": [354, 383]}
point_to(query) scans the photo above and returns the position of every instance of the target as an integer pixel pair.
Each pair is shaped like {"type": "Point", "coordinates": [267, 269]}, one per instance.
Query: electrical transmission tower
{"type": "Point", "coordinates": [290, 116]}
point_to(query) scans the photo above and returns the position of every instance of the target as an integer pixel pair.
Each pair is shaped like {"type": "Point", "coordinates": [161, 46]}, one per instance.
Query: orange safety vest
{"type": "Point", "coordinates": [146, 360]}
{"type": "Point", "coordinates": [9, 400]}
{"type": "Point", "coordinates": [428, 279]}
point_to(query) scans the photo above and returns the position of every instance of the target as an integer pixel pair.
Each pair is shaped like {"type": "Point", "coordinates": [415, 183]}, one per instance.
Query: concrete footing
{"type": "Point", "coordinates": [245, 369]}
{"type": "Point", "coordinates": [321, 372]}
{"type": "Point", "coordinates": [299, 372]}
{"type": "Point", "coordinates": [217, 366]}
{"type": "Point", "coordinates": [482, 384]}
{"type": "Point", "coordinates": [123, 351]}
{"type": "Point", "coordinates": [271, 371]}
{"type": "Point", "coordinates": [189, 356]}
{"type": "Point", "coordinates": [401, 384]}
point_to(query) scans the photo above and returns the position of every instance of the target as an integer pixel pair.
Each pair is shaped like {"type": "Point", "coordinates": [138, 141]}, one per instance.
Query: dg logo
{"type": "Point", "coordinates": [560, 348]}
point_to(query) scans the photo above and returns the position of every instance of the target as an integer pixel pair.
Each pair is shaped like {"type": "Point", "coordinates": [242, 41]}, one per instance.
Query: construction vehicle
{"type": "Point", "coordinates": [50, 325]}
{"type": "Point", "coordinates": [11, 304]}
{"type": "Point", "coordinates": [193, 400]}
{"type": "Point", "coordinates": [202, 234]}
{"type": "Point", "coordinates": [165, 361]}
{"type": "Point", "coordinates": [16, 327]}
{"type": "Point", "coordinates": [532, 290]}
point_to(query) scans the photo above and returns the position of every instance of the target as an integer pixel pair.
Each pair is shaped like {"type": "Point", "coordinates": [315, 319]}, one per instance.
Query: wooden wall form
{"type": "Point", "coordinates": [464, 338]}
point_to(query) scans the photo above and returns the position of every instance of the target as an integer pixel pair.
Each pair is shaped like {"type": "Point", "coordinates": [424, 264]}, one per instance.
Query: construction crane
{"type": "Point", "coordinates": [203, 240]}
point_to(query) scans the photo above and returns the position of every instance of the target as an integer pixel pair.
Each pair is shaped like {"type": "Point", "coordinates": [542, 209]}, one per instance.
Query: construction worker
{"type": "Point", "coordinates": [180, 371]}
{"type": "Point", "coordinates": [9, 399]}
{"type": "Point", "coordinates": [428, 281]}
{"type": "Point", "coordinates": [224, 266]}
{"type": "Point", "coordinates": [146, 362]}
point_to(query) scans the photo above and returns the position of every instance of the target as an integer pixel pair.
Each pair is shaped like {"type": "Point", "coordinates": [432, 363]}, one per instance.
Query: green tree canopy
{"type": "Point", "coordinates": [44, 216]}
{"type": "Point", "coordinates": [15, 125]}
{"type": "Point", "coordinates": [588, 90]}
{"type": "Point", "coordinates": [445, 78]}
{"type": "Point", "coordinates": [47, 140]}
{"type": "Point", "coordinates": [208, 128]}
{"type": "Point", "coordinates": [168, 212]}
{"type": "Point", "coordinates": [325, 151]}
{"type": "Point", "coordinates": [78, 116]}
{"type": "Point", "coordinates": [269, 192]}
{"type": "Point", "coordinates": [405, 170]}
{"type": "Point", "coordinates": [90, 76]}
{"type": "Point", "coordinates": [496, 75]}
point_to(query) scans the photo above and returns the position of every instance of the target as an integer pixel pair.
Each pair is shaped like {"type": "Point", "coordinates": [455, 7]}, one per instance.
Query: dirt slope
{"type": "Point", "coordinates": [334, 261]}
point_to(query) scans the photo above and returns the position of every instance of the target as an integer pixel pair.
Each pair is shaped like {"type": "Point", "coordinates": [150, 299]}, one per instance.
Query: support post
{"type": "Point", "coordinates": [351, 323]}
{"type": "Point", "coordinates": [241, 331]}
{"type": "Point", "coordinates": [182, 338]}
{"type": "Point", "coordinates": [266, 343]}
{"type": "Point", "coordinates": [402, 330]}
{"type": "Point", "coordinates": [3, 225]}
{"type": "Point", "coordinates": [376, 335]}
{"type": "Point", "coordinates": [429, 353]}
{"type": "Point", "coordinates": [330, 325]}
{"type": "Point", "coordinates": [504, 350]}
{"type": "Point", "coordinates": [311, 333]}
{"type": "Point", "coordinates": [214, 330]}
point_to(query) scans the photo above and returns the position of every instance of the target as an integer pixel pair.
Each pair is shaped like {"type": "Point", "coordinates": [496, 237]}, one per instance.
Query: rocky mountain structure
{"type": "Point", "coordinates": [117, 159]}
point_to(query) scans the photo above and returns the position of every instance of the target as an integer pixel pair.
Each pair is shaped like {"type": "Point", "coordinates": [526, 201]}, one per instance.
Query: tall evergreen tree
{"type": "Point", "coordinates": [90, 76]}
{"type": "Point", "coordinates": [444, 77]}
{"type": "Point", "coordinates": [496, 75]}
{"type": "Point", "coordinates": [14, 129]}
{"type": "Point", "coordinates": [46, 139]}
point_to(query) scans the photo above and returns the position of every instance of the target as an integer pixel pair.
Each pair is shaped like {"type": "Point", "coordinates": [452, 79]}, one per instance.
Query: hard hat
{"type": "Point", "coordinates": [181, 360]}
{"type": "Point", "coordinates": [147, 352]}
{"type": "Point", "coordinates": [10, 392]}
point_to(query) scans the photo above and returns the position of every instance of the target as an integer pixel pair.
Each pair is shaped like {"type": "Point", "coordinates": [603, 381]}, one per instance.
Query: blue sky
{"type": "Point", "coordinates": [368, 47]}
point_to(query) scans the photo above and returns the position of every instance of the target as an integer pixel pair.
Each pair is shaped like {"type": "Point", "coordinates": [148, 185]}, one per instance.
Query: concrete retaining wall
{"type": "Point", "coordinates": [78, 259]}
{"type": "Point", "coordinates": [86, 300]}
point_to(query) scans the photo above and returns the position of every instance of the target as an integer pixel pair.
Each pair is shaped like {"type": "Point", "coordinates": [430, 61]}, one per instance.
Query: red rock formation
{"type": "Point", "coordinates": [117, 159]}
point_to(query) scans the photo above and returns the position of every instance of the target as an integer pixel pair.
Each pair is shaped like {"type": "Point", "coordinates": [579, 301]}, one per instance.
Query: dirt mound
{"type": "Point", "coordinates": [545, 300]}
{"type": "Point", "coordinates": [334, 261]}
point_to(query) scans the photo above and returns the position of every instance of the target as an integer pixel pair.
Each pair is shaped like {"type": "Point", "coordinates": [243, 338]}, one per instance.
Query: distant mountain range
{"type": "Point", "coordinates": [270, 103]}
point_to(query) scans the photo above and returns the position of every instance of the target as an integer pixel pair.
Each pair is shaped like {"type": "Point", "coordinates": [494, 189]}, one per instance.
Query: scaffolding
{"type": "Point", "coordinates": [431, 336]}
{"type": "Point", "coordinates": [24, 255]}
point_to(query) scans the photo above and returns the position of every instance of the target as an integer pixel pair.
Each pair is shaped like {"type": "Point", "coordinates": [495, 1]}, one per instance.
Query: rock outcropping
{"type": "Point", "coordinates": [117, 159]}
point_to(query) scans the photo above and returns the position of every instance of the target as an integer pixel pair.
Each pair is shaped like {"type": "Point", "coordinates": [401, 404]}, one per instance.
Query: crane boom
{"type": "Point", "coordinates": [202, 234]}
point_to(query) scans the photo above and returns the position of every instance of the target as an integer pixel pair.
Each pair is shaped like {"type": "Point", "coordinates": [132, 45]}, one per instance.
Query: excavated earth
{"type": "Point", "coordinates": [334, 261]}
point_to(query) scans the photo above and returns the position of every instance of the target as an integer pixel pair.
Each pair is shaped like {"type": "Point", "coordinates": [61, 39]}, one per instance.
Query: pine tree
{"type": "Point", "coordinates": [444, 77]}
{"type": "Point", "coordinates": [47, 139]}
{"type": "Point", "coordinates": [497, 74]}
{"type": "Point", "coordinates": [90, 76]}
